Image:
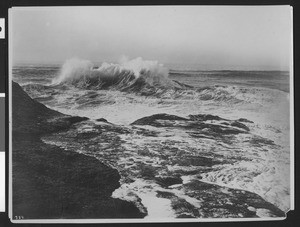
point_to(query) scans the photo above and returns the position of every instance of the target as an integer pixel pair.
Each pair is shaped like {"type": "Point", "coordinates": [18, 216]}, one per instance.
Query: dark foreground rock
{"type": "Point", "coordinates": [50, 182]}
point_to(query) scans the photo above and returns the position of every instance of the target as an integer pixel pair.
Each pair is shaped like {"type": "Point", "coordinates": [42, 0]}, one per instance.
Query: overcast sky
{"type": "Point", "coordinates": [256, 37]}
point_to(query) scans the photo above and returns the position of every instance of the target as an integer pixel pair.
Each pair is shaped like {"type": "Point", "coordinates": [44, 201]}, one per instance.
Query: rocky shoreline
{"type": "Point", "coordinates": [51, 182]}
{"type": "Point", "coordinates": [74, 167]}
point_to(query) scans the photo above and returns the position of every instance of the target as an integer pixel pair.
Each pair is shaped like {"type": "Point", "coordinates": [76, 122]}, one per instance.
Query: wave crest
{"type": "Point", "coordinates": [84, 74]}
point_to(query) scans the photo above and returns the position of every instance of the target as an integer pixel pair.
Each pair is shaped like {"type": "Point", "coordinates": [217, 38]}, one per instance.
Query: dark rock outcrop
{"type": "Point", "coordinates": [102, 120]}
{"type": "Point", "coordinates": [200, 125]}
{"type": "Point", "coordinates": [245, 120]}
{"type": "Point", "coordinates": [30, 116]}
{"type": "Point", "coordinates": [168, 181]}
{"type": "Point", "coordinates": [205, 117]}
{"type": "Point", "coordinates": [152, 120]}
{"type": "Point", "coordinates": [219, 202]}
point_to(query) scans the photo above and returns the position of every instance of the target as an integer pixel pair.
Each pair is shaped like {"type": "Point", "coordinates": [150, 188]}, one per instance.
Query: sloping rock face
{"type": "Point", "coordinates": [50, 182]}
{"type": "Point", "coordinates": [30, 116]}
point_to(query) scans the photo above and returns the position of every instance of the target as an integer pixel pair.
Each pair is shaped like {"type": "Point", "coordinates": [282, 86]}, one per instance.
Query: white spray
{"type": "Point", "coordinates": [75, 70]}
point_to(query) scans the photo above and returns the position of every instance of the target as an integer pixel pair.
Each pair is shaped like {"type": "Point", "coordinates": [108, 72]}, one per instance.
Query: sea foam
{"type": "Point", "coordinates": [83, 73]}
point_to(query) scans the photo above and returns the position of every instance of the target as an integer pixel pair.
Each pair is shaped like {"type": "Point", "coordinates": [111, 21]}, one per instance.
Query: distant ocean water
{"type": "Point", "coordinates": [121, 97]}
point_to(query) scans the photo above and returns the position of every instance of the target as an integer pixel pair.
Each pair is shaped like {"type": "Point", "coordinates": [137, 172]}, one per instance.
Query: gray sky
{"type": "Point", "coordinates": [203, 36]}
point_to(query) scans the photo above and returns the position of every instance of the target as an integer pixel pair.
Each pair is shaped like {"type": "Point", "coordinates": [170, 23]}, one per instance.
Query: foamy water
{"type": "Point", "coordinates": [263, 170]}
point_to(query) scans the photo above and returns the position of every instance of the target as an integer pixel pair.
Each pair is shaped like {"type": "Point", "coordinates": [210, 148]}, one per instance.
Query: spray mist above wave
{"type": "Point", "coordinates": [128, 74]}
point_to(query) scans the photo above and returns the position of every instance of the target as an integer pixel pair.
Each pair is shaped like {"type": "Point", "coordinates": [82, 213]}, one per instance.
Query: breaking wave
{"type": "Point", "coordinates": [130, 74]}
{"type": "Point", "coordinates": [150, 78]}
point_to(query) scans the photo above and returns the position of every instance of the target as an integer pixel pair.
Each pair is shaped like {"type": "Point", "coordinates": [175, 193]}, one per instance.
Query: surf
{"type": "Point", "coordinates": [128, 74]}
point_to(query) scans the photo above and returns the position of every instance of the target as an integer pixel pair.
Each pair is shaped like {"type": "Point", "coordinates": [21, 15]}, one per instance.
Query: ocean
{"type": "Point", "coordinates": [173, 131]}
